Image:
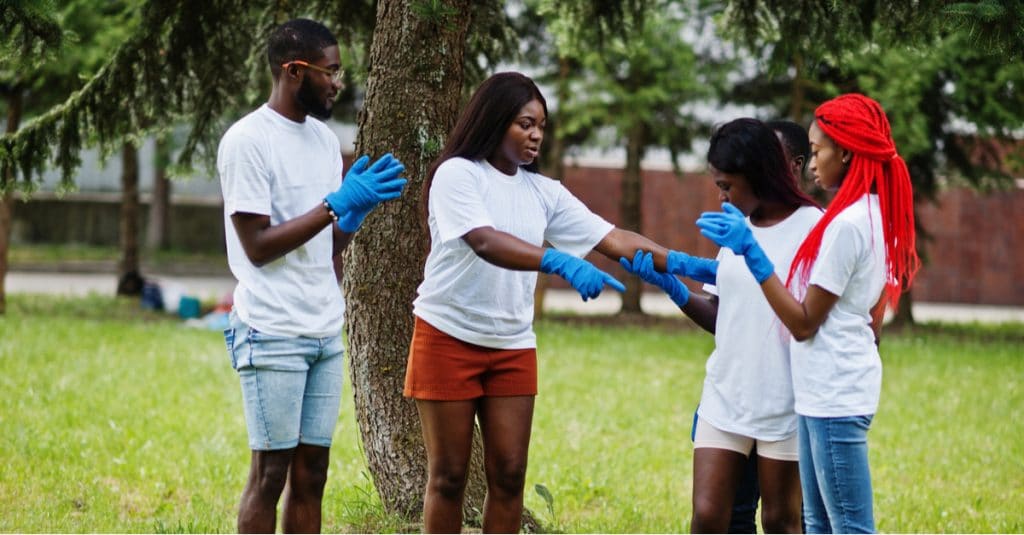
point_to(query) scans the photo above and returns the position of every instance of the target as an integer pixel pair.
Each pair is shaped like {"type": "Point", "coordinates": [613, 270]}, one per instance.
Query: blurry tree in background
{"type": "Point", "coordinates": [39, 75]}
{"type": "Point", "coordinates": [636, 85]}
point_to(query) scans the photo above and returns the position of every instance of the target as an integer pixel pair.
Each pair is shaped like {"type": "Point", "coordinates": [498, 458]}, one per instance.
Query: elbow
{"type": "Point", "coordinates": [257, 261]}
{"type": "Point", "coordinates": [483, 250]}
{"type": "Point", "coordinates": [258, 258]}
{"type": "Point", "coordinates": [482, 247]}
{"type": "Point", "coordinates": [802, 334]}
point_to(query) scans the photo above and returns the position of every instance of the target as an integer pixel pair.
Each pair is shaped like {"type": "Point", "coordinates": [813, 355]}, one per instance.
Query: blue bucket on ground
{"type": "Point", "coordinates": [188, 307]}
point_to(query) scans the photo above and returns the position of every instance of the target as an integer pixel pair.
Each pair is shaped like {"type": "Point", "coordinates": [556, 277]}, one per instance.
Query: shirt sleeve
{"type": "Point", "coordinates": [456, 203]}
{"type": "Point", "coordinates": [572, 227]}
{"type": "Point", "coordinates": [245, 178]}
{"type": "Point", "coordinates": [713, 288]}
{"type": "Point", "coordinates": [841, 249]}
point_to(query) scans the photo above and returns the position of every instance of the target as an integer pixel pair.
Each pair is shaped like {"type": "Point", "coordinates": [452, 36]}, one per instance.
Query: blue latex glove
{"type": "Point", "coordinates": [582, 275]}
{"type": "Point", "coordinates": [695, 267]}
{"type": "Point", "coordinates": [643, 266]}
{"type": "Point", "coordinates": [364, 187]}
{"type": "Point", "coordinates": [728, 228]}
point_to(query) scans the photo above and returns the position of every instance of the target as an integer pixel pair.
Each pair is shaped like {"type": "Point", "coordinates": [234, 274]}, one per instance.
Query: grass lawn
{"type": "Point", "coordinates": [119, 420]}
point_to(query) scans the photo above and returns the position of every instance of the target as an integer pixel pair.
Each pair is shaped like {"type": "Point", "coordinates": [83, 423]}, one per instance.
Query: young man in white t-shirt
{"type": "Point", "coordinates": [287, 213]}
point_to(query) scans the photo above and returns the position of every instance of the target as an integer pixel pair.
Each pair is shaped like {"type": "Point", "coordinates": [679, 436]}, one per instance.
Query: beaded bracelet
{"type": "Point", "coordinates": [330, 211]}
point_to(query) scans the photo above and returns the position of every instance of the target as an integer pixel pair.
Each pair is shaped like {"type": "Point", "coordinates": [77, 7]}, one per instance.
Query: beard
{"type": "Point", "coordinates": [311, 103]}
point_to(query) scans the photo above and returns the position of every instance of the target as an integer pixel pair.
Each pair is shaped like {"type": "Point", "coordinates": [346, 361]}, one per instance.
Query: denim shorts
{"type": "Point", "coordinates": [291, 386]}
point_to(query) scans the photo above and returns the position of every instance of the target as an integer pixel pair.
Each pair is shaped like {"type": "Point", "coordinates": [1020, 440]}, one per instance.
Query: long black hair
{"type": "Point", "coordinates": [482, 124]}
{"type": "Point", "coordinates": [750, 148]}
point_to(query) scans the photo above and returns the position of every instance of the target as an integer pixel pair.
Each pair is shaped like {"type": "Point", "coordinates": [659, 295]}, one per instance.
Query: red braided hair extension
{"type": "Point", "coordinates": [858, 124]}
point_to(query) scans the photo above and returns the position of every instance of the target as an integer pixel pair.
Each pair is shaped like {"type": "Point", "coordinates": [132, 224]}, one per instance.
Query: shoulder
{"type": "Point", "coordinates": [459, 164]}
{"type": "Point", "coordinates": [857, 214]}
{"type": "Point", "coordinates": [250, 129]}
{"type": "Point", "coordinates": [808, 216]}
{"type": "Point", "coordinates": [540, 179]}
{"type": "Point", "coordinates": [322, 130]}
{"type": "Point", "coordinates": [544, 183]}
{"type": "Point", "coordinates": [459, 168]}
{"type": "Point", "coordinates": [851, 224]}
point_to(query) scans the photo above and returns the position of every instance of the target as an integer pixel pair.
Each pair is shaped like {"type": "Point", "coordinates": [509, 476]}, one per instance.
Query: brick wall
{"type": "Point", "coordinates": [975, 253]}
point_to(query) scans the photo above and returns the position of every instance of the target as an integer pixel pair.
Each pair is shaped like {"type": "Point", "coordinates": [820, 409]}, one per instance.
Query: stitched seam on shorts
{"type": "Point", "coordinates": [259, 391]}
{"type": "Point", "coordinates": [837, 481]}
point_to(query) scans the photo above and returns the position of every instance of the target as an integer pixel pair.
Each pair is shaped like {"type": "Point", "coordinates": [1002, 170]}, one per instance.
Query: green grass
{"type": "Point", "coordinates": [66, 255]}
{"type": "Point", "coordinates": [115, 420]}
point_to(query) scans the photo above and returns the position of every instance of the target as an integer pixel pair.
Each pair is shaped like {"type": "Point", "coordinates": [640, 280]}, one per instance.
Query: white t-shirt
{"type": "Point", "coordinates": [747, 389]}
{"type": "Point", "coordinates": [837, 372]}
{"type": "Point", "coordinates": [465, 296]}
{"type": "Point", "coordinates": [271, 165]}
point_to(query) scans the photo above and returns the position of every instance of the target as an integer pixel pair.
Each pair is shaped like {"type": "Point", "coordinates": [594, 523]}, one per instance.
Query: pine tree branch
{"type": "Point", "coordinates": [27, 30]}
{"type": "Point", "coordinates": [188, 61]}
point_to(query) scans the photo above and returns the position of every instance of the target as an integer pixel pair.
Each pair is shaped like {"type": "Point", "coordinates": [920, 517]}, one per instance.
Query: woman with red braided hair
{"type": "Point", "coordinates": [856, 260]}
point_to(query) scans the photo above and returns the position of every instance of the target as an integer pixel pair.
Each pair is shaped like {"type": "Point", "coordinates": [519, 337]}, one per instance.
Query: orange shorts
{"type": "Point", "coordinates": [444, 368]}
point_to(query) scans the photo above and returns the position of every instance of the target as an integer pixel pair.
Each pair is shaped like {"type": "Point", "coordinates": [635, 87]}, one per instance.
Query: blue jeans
{"type": "Point", "coordinates": [291, 386]}
{"type": "Point", "coordinates": [834, 474]}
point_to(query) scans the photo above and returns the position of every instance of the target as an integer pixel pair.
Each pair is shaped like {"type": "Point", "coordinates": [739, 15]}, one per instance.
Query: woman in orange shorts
{"type": "Point", "coordinates": [473, 351]}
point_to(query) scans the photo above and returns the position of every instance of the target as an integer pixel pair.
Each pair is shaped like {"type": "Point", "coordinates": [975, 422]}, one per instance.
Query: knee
{"type": "Point", "coordinates": [507, 476]}
{"type": "Point", "coordinates": [776, 519]}
{"type": "Point", "coordinates": [309, 470]}
{"type": "Point", "coordinates": [308, 482]}
{"type": "Point", "coordinates": [447, 482]}
{"type": "Point", "coordinates": [268, 480]}
{"type": "Point", "coordinates": [708, 517]}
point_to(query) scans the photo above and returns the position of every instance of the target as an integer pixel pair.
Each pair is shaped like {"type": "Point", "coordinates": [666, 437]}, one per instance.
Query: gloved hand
{"type": "Point", "coordinates": [643, 266]}
{"type": "Point", "coordinates": [695, 267]}
{"type": "Point", "coordinates": [364, 187]}
{"type": "Point", "coordinates": [582, 275]}
{"type": "Point", "coordinates": [728, 228]}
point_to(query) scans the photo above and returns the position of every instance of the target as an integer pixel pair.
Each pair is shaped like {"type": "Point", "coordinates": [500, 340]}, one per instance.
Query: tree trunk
{"type": "Point", "coordinates": [129, 280]}
{"type": "Point", "coordinates": [411, 102]}
{"type": "Point", "coordinates": [160, 203]}
{"type": "Point", "coordinates": [797, 90]}
{"type": "Point", "coordinates": [15, 104]}
{"type": "Point", "coordinates": [904, 316]}
{"type": "Point", "coordinates": [555, 169]}
{"type": "Point", "coordinates": [632, 192]}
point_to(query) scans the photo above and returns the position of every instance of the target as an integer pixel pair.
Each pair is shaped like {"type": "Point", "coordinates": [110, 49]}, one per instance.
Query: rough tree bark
{"type": "Point", "coordinates": [411, 103]}
{"type": "Point", "coordinates": [129, 280]}
{"type": "Point", "coordinates": [632, 193]}
{"type": "Point", "coordinates": [15, 104]}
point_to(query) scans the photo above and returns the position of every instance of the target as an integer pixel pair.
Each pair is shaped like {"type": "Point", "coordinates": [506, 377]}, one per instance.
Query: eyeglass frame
{"type": "Point", "coordinates": [336, 76]}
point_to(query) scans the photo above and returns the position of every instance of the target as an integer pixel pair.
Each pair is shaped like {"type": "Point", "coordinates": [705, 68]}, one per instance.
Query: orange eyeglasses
{"type": "Point", "coordinates": [337, 76]}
